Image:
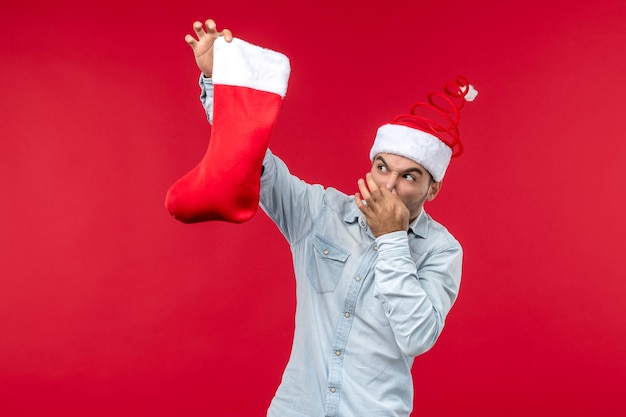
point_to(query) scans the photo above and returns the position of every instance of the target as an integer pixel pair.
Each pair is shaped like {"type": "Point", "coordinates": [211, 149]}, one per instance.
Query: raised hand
{"type": "Point", "coordinates": [385, 212]}
{"type": "Point", "coordinates": [203, 46]}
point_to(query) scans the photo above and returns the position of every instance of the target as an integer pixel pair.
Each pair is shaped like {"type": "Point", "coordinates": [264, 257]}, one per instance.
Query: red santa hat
{"type": "Point", "coordinates": [429, 134]}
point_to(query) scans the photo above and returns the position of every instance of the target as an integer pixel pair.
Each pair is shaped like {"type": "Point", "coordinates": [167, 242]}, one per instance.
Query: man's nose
{"type": "Point", "coordinates": [391, 182]}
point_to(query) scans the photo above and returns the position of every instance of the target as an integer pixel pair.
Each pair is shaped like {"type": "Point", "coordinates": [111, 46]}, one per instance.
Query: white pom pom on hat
{"type": "Point", "coordinates": [429, 135]}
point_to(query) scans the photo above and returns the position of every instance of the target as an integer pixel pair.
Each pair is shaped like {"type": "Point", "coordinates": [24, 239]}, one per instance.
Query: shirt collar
{"type": "Point", "coordinates": [419, 226]}
{"type": "Point", "coordinates": [353, 215]}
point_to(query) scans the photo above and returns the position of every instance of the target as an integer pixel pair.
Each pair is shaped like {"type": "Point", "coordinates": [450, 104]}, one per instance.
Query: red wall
{"type": "Point", "coordinates": [110, 307]}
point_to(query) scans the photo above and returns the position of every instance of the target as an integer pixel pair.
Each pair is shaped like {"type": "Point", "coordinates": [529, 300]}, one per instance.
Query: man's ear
{"type": "Point", "coordinates": [433, 190]}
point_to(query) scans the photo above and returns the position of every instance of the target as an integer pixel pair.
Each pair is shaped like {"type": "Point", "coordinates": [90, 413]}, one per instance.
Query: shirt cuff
{"type": "Point", "coordinates": [206, 96]}
{"type": "Point", "coordinates": [394, 244]}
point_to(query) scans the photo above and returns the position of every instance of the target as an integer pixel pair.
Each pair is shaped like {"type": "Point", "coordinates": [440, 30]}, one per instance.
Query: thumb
{"type": "Point", "coordinates": [227, 34]}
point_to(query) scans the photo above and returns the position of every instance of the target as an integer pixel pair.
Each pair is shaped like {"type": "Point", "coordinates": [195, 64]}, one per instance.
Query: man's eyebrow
{"type": "Point", "coordinates": [406, 171]}
{"type": "Point", "coordinates": [381, 159]}
{"type": "Point", "coordinates": [414, 169]}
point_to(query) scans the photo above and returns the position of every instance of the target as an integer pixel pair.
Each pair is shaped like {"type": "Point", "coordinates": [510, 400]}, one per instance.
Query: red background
{"type": "Point", "coordinates": [108, 306]}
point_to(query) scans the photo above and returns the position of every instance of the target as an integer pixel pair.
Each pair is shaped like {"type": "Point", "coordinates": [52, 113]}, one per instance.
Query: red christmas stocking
{"type": "Point", "coordinates": [250, 83]}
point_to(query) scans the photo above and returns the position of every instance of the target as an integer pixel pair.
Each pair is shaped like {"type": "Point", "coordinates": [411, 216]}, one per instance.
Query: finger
{"type": "Point", "coordinates": [374, 189]}
{"type": "Point", "coordinates": [390, 197]}
{"type": "Point", "coordinates": [363, 190]}
{"type": "Point", "coordinates": [384, 191]}
{"type": "Point", "coordinates": [198, 28]}
{"type": "Point", "coordinates": [191, 40]}
{"type": "Point", "coordinates": [361, 205]}
{"type": "Point", "coordinates": [211, 27]}
{"type": "Point", "coordinates": [227, 34]}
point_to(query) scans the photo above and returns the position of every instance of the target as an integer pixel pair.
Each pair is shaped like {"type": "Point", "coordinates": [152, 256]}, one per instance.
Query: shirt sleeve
{"type": "Point", "coordinates": [416, 301]}
{"type": "Point", "coordinates": [290, 202]}
{"type": "Point", "coordinates": [206, 96]}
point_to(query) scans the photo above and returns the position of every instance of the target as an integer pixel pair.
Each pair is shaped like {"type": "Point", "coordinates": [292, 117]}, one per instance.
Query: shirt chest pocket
{"type": "Point", "coordinates": [325, 265]}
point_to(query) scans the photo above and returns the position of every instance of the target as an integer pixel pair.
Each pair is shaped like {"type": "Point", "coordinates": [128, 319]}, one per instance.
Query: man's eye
{"type": "Point", "coordinates": [409, 177]}
{"type": "Point", "coordinates": [382, 168]}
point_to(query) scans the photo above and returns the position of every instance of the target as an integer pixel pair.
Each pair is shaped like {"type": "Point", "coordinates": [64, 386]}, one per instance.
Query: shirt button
{"type": "Point", "coordinates": [347, 315]}
{"type": "Point", "coordinates": [357, 279]}
{"type": "Point", "coordinates": [338, 353]}
{"type": "Point", "coordinates": [333, 389]}
{"type": "Point", "coordinates": [325, 251]}
{"type": "Point", "coordinates": [375, 247]}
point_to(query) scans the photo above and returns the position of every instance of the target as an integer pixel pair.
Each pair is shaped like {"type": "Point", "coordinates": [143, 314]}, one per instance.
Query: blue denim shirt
{"type": "Point", "coordinates": [365, 306]}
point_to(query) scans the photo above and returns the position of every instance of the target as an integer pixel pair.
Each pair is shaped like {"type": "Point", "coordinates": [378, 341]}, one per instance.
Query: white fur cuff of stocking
{"type": "Point", "coordinates": [242, 64]}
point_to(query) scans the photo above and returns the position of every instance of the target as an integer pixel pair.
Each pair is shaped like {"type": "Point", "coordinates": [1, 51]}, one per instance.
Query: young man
{"type": "Point", "coordinates": [376, 275]}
